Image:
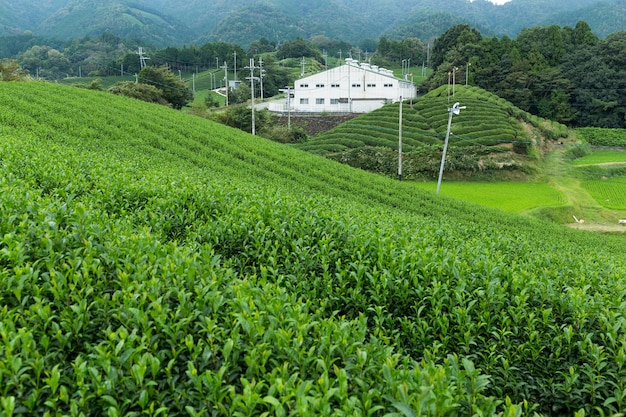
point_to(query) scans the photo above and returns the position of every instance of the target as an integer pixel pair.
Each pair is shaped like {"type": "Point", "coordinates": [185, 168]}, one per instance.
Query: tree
{"type": "Point", "coordinates": [144, 92]}
{"type": "Point", "coordinates": [597, 92]}
{"type": "Point", "coordinates": [547, 40]}
{"type": "Point", "coordinates": [299, 48]}
{"type": "Point", "coordinates": [45, 61]}
{"type": "Point", "coordinates": [612, 50]}
{"type": "Point", "coordinates": [173, 90]}
{"type": "Point", "coordinates": [129, 63]}
{"type": "Point", "coordinates": [459, 35]}
{"type": "Point", "coordinates": [10, 70]}
{"type": "Point", "coordinates": [261, 46]}
{"type": "Point", "coordinates": [240, 117]}
{"type": "Point", "coordinates": [241, 94]}
{"type": "Point", "coordinates": [579, 36]}
{"type": "Point", "coordinates": [211, 101]}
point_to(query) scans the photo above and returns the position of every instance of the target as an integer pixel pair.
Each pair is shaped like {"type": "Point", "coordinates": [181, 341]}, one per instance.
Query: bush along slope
{"type": "Point", "coordinates": [615, 138]}
{"type": "Point", "coordinates": [488, 135]}
{"type": "Point", "coordinates": [156, 263]}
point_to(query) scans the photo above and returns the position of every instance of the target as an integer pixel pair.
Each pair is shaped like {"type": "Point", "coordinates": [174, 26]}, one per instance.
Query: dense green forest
{"type": "Point", "coordinates": [563, 74]}
{"type": "Point", "coordinates": [177, 22]}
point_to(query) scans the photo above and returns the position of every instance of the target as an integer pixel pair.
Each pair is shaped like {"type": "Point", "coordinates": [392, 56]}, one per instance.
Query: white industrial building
{"type": "Point", "coordinates": [350, 88]}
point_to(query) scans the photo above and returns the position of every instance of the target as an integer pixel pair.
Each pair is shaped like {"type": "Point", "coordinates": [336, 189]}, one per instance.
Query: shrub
{"type": "Point", "coordinates": [577, 151]}
{"type": "Point", "coordinates": [282, 134]}
{"type": "Point", "coordinates": [144, 92]}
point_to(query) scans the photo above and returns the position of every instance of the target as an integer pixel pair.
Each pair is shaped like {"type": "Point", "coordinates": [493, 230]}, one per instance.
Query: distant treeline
{"type": "Point", "coordinates": [563, 74]}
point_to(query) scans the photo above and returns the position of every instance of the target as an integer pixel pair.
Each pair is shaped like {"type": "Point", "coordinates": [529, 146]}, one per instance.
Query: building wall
{"type": "Point", "coordinates": [350, 88]}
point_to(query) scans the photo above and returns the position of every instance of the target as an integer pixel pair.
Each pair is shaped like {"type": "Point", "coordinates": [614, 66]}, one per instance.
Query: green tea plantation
{"type": "Point", "coordinates": [156, 263]}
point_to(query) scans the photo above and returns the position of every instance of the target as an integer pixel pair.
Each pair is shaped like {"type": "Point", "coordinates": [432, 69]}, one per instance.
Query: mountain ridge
{"type": "Point", "coordinates": [243, 21]}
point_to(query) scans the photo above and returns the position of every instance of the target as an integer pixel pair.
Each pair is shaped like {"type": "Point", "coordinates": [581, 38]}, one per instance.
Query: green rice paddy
{"type": "Point", "coordinates": [512, 197]}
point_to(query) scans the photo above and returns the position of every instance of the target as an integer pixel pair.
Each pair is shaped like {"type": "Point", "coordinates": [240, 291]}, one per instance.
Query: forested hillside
{"type": "Point", "coordinates": [563, 74]}
{"type": "Point", "coordinates": [244, 21]}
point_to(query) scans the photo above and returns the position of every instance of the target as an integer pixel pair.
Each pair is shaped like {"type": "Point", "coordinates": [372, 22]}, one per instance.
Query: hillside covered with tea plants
{"type": "Point", "coordinates": [157, 263]}
{"type": "Point", "coordinates": [488, 136]}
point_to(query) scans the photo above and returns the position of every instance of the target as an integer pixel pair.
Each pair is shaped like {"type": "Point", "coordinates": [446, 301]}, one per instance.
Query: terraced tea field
{"type": "Point", "coordinates": [156, 263]}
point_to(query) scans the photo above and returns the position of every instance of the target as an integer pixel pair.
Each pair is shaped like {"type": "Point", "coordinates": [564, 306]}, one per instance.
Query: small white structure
{"type": "Point", "coordinates": [350, 88]}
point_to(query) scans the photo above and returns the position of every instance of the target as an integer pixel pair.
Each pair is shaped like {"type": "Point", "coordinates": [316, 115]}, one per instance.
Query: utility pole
{"type": "Point", "coordinates": [349, 87]}
{"type": "Point", "coordinates": [400, 143]}
{"type": "Point", "coordinates": [235, 54]}
{"type": "Point", "coordinates": [252, 78]}
{"type": "Point", "coordinates": [288, 90]}
{"type": "Point", "coordinates": [225, 67]}
{"type": "Point", "coordinates": [142, 58]}
{"type": "Point", "coordinates": [302, 62]}
{"type": "Point", "coordinates": [456, 109]}
{"type": "Point", "coordinates": [261, 72]}
{"type": "Point", "coordinates": [453, 79]}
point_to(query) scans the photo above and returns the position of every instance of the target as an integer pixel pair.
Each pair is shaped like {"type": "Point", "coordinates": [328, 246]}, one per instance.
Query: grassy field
{"type": "Point", "coordinates": [513, 197]}
{"type": "Point", "coordinates": [152, 262]}
{"type": "Point", "coordinates": [601, 156]}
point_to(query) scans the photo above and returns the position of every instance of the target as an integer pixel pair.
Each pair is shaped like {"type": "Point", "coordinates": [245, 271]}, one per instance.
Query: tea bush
{"type": "Point", "coordinates": [602, 137]}
{"type": "Point", "coordinates": [488, 120]}
{"type": "Point", "coordinates": [156, 263]}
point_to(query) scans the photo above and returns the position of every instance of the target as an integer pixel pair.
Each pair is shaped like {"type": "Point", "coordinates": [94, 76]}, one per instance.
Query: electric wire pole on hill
{"type": "Point", "coordinates": [261, 72]}
{"type": "Point", "coordinates": [288, 91]}
{"type": "Point", "coordinates": [400, 142]}
{"type": "Point", "coordinates": [455, 109]}
{"type": "Point", "coordinates": [225, 68]}
{"type": "Point", "coordinates": [252, 78]}
{"type": "Point", "coordinates": [142, 58]}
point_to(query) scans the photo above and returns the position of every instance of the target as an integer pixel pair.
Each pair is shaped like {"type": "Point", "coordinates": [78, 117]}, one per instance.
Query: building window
{"type": "Point", "coordinates": [388, 85]}
{"type": "Point", "coordinates": [304, 86]}
{"type": "Point", "coordinates": [356, 85]}
{"type": "Point", "coordinates": [334, 101]}
{"type": "Point", "coordinates": [304, 101]}
{"type": "Point", "coordinates": [334, 85]}
{"type": "Point", "coordinates": [319, 101]}
{"type": "Point", "coordinates": [320, 85]}
{"type": "Point", "coordinates": [371, 85]}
